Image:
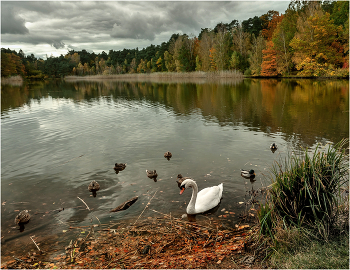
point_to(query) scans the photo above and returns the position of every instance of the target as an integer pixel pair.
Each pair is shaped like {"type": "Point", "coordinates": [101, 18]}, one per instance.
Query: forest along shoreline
{"type": "Point", "coordinates": [153, 242]}
{"type": "Point", "coordinates": [272, 44]}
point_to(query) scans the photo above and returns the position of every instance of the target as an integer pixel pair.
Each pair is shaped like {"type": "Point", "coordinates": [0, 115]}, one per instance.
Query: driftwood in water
{"type": "Point", "coordinates": [125, 205]}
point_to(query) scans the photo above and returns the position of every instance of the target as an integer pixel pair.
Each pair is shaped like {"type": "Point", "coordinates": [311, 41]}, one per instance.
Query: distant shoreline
{"type": "Point", "coordinates": [188, 75]}
{"type": "Point", "coordinates": [195, 77]}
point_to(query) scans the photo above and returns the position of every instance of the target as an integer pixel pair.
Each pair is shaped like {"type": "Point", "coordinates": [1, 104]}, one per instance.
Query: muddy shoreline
{"type": "Point", "coordinates": [153, 242]}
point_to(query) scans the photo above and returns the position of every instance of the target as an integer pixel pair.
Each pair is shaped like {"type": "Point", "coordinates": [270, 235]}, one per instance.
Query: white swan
{"type": "Point", "coordinates": [204, 200]}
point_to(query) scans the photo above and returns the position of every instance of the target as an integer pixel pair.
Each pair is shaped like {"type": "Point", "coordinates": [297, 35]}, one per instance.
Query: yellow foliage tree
{"type": "Point", "coordinates": [316, 46]}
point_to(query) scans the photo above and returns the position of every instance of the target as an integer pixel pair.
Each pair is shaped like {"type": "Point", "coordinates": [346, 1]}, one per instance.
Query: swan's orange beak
{"type": "Point", "coordinates": [182, 190]}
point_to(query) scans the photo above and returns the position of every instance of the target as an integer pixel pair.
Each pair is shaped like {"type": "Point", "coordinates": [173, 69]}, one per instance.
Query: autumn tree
{"type": "Point", "coordinates": [142, 67]}
{"type": "Point", "coordinates": [269, 63]}
{"type": "Point", "coordinates": [221, 49]}
{"type": "Point", "coordinates": [159, 64]}
{"type": "Point", "coordinates": [132, 67]}
{"type": "Point", "coordinates": [198, 64]}
{"type": "Point", "coordinates": [256, 54]}
{"type": "Point", "coordinates": [212, 54]}
{"type": "Point", "coordinates": [86, 69]}
{"type": "Point", "coordinates": [8, 66]}
{"type": "Point", "coordinates": [316, 46]}
{"type": "Point", "coordinates": [241, 44]}
{"type": "Point", "coordinates": [80, 69]}
{"type": "Point", "coordinates": [205, 45]}
{"type": "Point", "coordinates": [282, 35]}
{"type": "Point", "coordinates": [168, 61]}
{"type": "Point", "coordinates": [235, 60]}
{"type": "Point", "coordinates": [267, 32]}
{"type": "Point", "coordinates": [267, 18]}
{"type": "Point", "coordinates": [73, 58]}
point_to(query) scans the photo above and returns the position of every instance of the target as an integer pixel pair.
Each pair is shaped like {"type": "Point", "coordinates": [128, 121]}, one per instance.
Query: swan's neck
{"type": "Point", "coordinates": [191, 208]}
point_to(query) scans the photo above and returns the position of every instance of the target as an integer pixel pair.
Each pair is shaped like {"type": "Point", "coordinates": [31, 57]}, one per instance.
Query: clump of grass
{"type": "Point", "coordinates": [308, 203]}
{"type": "Point", "coordinates": [306, 190]}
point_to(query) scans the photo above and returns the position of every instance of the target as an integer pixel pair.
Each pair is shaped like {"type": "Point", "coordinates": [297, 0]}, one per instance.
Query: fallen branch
{"type": "Point", "coordinates": [125, 205]}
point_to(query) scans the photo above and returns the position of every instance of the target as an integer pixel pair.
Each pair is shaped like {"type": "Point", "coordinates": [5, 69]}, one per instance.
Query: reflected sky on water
{"type": "Point", "coordinates": [57, 137]}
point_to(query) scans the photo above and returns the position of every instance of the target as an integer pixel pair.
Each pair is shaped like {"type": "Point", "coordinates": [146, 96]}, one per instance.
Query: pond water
{"type": "Point", "coordinates": [57, 137]}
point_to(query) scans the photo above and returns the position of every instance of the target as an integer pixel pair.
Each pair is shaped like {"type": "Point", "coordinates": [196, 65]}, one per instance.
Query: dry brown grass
{"type": "Point", "coordinates": [15, 80]}
{"type": "Point", "coordinates": [175, 77]}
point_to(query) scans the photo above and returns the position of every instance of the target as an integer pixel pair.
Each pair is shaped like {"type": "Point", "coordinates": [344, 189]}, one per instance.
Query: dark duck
{"type": "Point", "coordinates": [152, 174]}
{"type": "Point", "coordinates": [119, 167]}
{"type": "Point", "coordinates": [93, 187]}
{"type": "Point", "coordinates": [168, 155]}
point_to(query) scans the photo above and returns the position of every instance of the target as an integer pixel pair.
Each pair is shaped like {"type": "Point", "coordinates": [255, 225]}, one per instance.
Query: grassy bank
{"type": "Point", "coordinates": [305, 221]}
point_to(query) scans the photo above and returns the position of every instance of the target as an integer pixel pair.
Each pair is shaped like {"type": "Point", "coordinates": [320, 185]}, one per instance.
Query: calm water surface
{"type": "Point", "coordinates": [57, 137]}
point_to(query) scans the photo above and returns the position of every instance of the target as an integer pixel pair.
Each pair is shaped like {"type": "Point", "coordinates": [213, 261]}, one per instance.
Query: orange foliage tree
{"type": "Point", "coordinates": [268, 32]}
{"type": "Point", "coordinates": [269, 63]}
{"type": "Point", "coordinates": [212, 59]}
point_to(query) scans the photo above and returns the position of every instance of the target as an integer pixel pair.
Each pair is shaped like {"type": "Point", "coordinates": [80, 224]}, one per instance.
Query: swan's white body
{"type": "Point", "coordinates": [204, 200]}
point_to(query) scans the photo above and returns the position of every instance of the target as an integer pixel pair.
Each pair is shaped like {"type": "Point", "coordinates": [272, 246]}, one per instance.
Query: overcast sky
{"type": "Point", "coordinates": [54, 27]}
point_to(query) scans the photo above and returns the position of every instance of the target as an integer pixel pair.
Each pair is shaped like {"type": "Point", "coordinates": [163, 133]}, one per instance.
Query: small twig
{"type": "Point", "coordinates": [246, 163]}
{"type": "Point", "coordinates": [89, 210]}
{"type": "Point", "coordinates": [18, 259]}
{"type": "Point", "coordinates": [84, 203]}
{"type": "Point", "coordinates": [145, 207]}
{"type": "Point", "coordinates": [207, 240]}
{"type": "Point", "coordinates": [61, 221]}
{"type": "Point", "coordinates": [18, 202]}
{"type": "Point", "coordinates": [79, 227]}
{"type": "Point", "coordinates": [216, 237]}
{"type": "Point", "coordinates": [97, 219]}
{"type": "Point", "coordinates": [34, 243]}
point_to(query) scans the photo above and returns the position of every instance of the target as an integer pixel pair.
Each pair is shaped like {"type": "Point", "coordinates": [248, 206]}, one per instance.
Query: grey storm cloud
{"type": "Point", "coordinates": [12, 23]}
{"type": "Point", "coordinates": [106, 25]}
{"type": "Point", "coordinates": [138, 27]}
{"type": "Point", "coordinates": [58, 44]}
